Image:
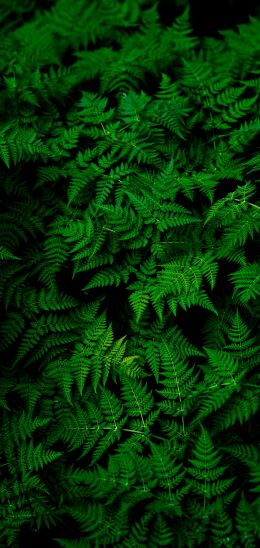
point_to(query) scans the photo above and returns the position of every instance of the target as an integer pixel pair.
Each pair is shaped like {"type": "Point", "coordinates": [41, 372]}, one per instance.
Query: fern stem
{"type": "Point", "coordinates": [249, 203]}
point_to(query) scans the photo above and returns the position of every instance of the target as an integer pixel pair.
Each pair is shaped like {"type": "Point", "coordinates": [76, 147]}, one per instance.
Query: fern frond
{"type": "Point", "coordinates": [245, 523]}
{"type": "Point", "coordinates": [240, 408]}
{"type": "Point", "coordinates": [242, 346]}
{"type": "Point", "coordinates": [11, 328]}
{"type": "Point", "coordinates": [137, 401]}
{"type": "Point", "coordinates": [161, 534]}
{"type": "Point", "coordinates": [90, 517]}
{"type": "Point", "coordinates": [246, 281]}
{"type": "Point", "coordinates": [5, 387]}
{"type": "Point", "coordinates": [224, 366]}
{"type": "Point", "coordinates": [246, 453]}
{"type": "Point", "coordinates": [254, 477]}
{"type": "Point", "coordinates": [221, 526]}
{"type": "Point", "coordinates": [55, 255]}
{"type": "Point", "coordinates": [33, 457]}
{"type": "Point", "coordinates": [7, 255]}
{"type": "Point", "coordinates": [208, 479]}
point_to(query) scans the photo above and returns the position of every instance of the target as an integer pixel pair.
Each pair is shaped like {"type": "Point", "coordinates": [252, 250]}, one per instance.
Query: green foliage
{"type": "Point", "coordinates": [205, 470]}
{"type": "Point", "coordinates": [129, 286]}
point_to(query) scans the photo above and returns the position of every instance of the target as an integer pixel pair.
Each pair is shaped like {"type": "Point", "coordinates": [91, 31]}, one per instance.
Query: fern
{"type": "Point", "coordinates": [221, 529]}
{"type": "Point", "coordinates": [245, 523]}
{"type": "Point", "coordinates": [55, 254]}
{"type": "Point", "coordinates": [90, 518]}
{"type": "Point", "coordinates": [246, 282]}
{"type": "Point", "coordinates": [136, 399]}
{"type": "Point", "coordinates": [242, 345]}
{"type": "Point", "coordinates": [208, 481]}
{"type": "Point", "coordinates": [33, 458]}
{"type": "Point", "coordinates": [129, 287]}
{"type": "Point", "coordinates": [240, 408]}
{"type": "Point", "coordinates": [245, 453]}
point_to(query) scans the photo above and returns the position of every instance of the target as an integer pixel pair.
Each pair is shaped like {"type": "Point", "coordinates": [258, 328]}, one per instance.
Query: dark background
{"type": "Point", "coordinates": [209, 17]}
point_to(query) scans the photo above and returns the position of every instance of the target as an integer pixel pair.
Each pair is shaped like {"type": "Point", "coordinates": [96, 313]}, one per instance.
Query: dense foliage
{"type": "Point", "coordinates": [130, 278]}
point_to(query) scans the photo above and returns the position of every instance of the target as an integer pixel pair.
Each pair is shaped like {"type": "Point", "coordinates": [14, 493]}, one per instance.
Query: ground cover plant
{"type": "Point", "coordinates": [130, 279]}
